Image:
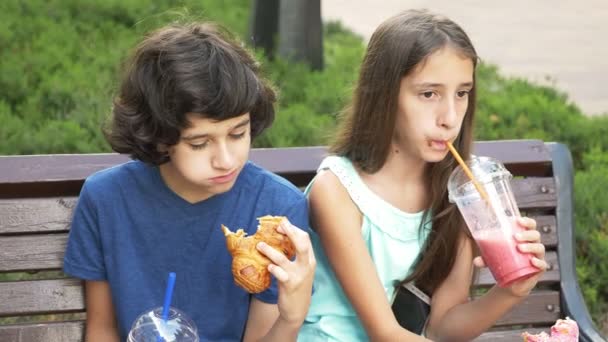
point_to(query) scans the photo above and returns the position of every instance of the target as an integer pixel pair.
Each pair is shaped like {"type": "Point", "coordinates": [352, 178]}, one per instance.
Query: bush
{"type": "Point", "coordinates": [591, 217]}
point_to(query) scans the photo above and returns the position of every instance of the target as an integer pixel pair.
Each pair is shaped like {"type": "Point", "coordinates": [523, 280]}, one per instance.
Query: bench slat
{"type": "Point", "coordinates": [41, 296]}
{"type": "Point", "coordinates": [63, 331]}
{"type": "Point", "coordinates": [534, 192]}
{"type": "Point", "coordinates": [508, 335]}
{"type": "Point", "coordinates": [550, 276]}
{"type": "Point", "coordinates": [36, 214]}
{"type": "Point", "coordinates": [45, 252]}
{"type": "Point", "coordinates": [66, 167]}
{"type": "Point", "coordinates": [50, 214]}
{"type": "Point", "coordinates": [32, 252]}
{"type": "Point", "coordinates": [538, 308]}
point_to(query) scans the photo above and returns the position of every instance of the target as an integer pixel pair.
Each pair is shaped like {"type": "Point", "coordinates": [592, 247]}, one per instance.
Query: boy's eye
{"type": "Point", "coordinates": [199, 146]}
{"type": "Point", "coordinates": [237, 135]}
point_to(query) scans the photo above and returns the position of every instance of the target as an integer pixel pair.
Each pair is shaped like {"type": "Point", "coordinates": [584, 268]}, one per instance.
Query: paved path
{"type": "Point", "coordinates": [559, 42]}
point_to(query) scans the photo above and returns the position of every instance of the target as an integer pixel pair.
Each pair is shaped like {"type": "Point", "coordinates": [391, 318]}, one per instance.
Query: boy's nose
{"type": "Point", "coordinates": [223, 158]}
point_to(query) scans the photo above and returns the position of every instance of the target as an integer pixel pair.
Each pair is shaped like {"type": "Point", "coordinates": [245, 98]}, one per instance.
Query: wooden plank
{"type": "Point", "coordinates": [539, 307]}
{"type": "Point", "coordinates": [70, 167]}
{"type": "Point", "coordinates": [509, 335]}
{"type": "Point", "coordinates": [41, 297]}
{"type": "Point", "coordinates": [552, 275]}
{"type": "Point", "coordinates": [36, 214]}
{"type": "Point", "coordinates": [32, 252]}
{"type": "Point", "coordinates": [547, 226]}
{"type": "Point", "coordinates": [534, 192]}
{"type": "Point", "coordinates": [43, 332]}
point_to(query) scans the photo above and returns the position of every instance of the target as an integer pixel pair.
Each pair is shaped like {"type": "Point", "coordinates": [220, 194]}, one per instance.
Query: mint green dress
{"type": "Point", "coordinates": [393, 240]}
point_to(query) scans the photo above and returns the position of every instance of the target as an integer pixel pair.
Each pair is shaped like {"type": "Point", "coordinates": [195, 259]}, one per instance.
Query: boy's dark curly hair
{"type": "Point", "coordinates": [196, 68]}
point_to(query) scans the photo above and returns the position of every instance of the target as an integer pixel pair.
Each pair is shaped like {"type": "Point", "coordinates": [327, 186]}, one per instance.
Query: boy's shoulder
{"type": "Point", "coordinates": [116, 176]}
{"type": "Point", "coordinates": [267, 181]}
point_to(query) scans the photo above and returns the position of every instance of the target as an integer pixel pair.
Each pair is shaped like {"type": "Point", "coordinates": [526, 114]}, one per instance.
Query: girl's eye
{"type": "Point", "coordinates": [428, 94]}
{"type": "Point", "coordinates": [462, 93]}
{"type": "Point", "coordinates": [198, 146]}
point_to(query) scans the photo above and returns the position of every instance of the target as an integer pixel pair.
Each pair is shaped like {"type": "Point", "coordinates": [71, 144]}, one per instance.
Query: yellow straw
{"type": "Point", "coordinates": [468, 172]}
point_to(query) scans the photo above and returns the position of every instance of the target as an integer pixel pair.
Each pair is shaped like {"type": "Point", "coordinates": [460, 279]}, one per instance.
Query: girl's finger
{"type": "Point", "coordinates": [528, 236]}
{"type": "Point", "coordinates": [527, 222]}
{"type": "Point", "coordinates": [540, 264]}
{"type": "Point", "coordinates": [478, 261]}
{"type": "Point", "coordinates": [537, 249]}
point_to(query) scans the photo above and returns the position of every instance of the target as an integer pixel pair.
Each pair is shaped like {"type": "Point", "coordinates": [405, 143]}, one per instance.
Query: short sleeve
{"type": "Point", "coordinates": [84, 254]}
{"type": "Point", "coordinates": [297, 214]}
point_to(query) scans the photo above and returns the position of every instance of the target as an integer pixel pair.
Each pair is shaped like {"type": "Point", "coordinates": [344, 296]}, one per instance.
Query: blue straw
{"type": "Point", "coordinates": [168, 295]}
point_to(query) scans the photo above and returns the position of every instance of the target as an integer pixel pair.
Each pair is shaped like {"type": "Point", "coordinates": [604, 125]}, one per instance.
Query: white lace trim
{"type": "Point", "coordinates": [392, 221]}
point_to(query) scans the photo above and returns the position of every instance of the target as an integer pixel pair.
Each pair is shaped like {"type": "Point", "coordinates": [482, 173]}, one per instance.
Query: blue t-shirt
{"type": "Point", "coordinates": [131, 230]}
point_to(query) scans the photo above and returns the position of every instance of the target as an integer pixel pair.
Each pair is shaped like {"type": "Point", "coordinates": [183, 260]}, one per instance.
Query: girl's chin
{"type": "Point", "coordinates": [435, 156]}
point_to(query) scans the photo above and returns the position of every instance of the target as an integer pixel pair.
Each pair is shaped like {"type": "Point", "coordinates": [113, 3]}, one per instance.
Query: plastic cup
{"type": "Point", "coordinates": [492, 220]}
{"type": "Point", "coordinates": [150, 327]}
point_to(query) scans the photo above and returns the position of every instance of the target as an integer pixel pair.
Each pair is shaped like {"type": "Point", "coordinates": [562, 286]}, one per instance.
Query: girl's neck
{"type": "Point", "coordinates": [400, 181]}
{"type": "Point", "coordinates": [403, 167]}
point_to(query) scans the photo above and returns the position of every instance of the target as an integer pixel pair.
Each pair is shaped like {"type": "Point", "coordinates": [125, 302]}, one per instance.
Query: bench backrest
{"type": "Point", "coordinates": [38, 194]}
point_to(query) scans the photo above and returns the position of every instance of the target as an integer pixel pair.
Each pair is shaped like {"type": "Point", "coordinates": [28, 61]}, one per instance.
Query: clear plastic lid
{"type": "Point", "coordinates": [484, 169]}
{"type": "Point", "coordinates": [150, 327]}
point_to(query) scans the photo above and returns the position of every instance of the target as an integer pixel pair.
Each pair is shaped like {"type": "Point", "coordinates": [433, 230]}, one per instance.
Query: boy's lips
{"type": "Point", "coordinates": [224, 178]}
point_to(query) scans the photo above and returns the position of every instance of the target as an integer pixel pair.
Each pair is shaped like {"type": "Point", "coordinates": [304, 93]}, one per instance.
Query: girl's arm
{"type": "Point", "coordinates": [454, 318]}
{"type": "Point", "coordinates": [101, 321]}
{"type": "Point", "coordinates": [338, 221]}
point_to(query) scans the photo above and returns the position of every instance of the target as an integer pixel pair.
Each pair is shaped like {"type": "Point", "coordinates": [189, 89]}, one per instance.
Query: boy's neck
{"type": "Point", "coordinates": [179, 186]}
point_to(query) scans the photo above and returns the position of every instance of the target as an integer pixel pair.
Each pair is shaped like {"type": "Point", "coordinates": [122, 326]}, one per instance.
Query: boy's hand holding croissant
{"type": "Point", "coordinates": [269, 251]}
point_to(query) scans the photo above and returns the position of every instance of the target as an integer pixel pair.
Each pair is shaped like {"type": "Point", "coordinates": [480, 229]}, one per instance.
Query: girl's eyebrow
{"type": "Point", "coordinates": [439, 85]}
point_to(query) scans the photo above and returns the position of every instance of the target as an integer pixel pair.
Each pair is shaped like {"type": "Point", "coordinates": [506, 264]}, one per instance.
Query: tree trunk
{"type": "Point", "coordinates": [264, 25]}
{"type": "Point", "coordinates": [300, 31]}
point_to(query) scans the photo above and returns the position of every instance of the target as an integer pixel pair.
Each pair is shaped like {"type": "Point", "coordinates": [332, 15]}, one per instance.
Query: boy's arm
{"type": "Point", "coordinates": [264, 324]}
{"type": "Point", "coordinates": [101, 321]}
{"type": "Point", "coordinates": [282, 321]}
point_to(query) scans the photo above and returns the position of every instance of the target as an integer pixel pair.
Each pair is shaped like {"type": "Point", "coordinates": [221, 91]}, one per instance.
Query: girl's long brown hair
{"type": "Point", "coordinates": [364, 136]}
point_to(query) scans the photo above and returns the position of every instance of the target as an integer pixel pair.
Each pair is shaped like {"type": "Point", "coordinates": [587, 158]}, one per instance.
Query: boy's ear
{"type": "Point", "coordinates": [162, 148]}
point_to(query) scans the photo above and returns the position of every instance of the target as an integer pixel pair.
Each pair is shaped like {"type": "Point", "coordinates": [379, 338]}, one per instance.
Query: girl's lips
{"type": "Point", "coordinates": [225, 178]}
{"type": "Point", "coordinates": [439, 145]}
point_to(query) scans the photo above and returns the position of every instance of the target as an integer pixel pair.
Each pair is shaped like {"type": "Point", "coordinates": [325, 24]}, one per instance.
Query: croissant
{"type": "Point", "coordinates": [250, 267]}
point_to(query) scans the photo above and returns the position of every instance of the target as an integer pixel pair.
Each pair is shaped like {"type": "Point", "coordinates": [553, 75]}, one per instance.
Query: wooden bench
{"type": "Point", "coordinates": [38, 194]}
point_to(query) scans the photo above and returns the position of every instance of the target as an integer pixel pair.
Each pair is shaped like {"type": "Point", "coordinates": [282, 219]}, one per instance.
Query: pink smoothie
{"type": "Point", "coordinates": [505, 261]}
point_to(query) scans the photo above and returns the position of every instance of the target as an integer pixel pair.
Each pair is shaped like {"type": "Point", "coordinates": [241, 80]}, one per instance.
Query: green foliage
{"type": "Point", "coordinates": [592, 229]}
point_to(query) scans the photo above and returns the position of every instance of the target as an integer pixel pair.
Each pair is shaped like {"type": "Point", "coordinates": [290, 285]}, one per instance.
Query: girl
{"type": "Point", "coordinates": [381, 200]}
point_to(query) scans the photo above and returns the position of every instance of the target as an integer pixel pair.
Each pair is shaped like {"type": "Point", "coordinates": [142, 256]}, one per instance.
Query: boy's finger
{"type": "Point", "coordinates": [299, 238]}
{"type": "Point", "coordinates": [275, 256]}
{"type": "Point", "coordinates": [279, 273]}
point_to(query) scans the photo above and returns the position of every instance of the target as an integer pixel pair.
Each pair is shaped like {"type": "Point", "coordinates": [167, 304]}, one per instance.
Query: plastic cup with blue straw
{"type": "Point", "coordinates": [164, 324]}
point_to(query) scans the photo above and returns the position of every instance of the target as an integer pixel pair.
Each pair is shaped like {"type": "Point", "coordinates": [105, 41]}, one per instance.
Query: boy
{"type": "Point", "coordinates": [187, 109]}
